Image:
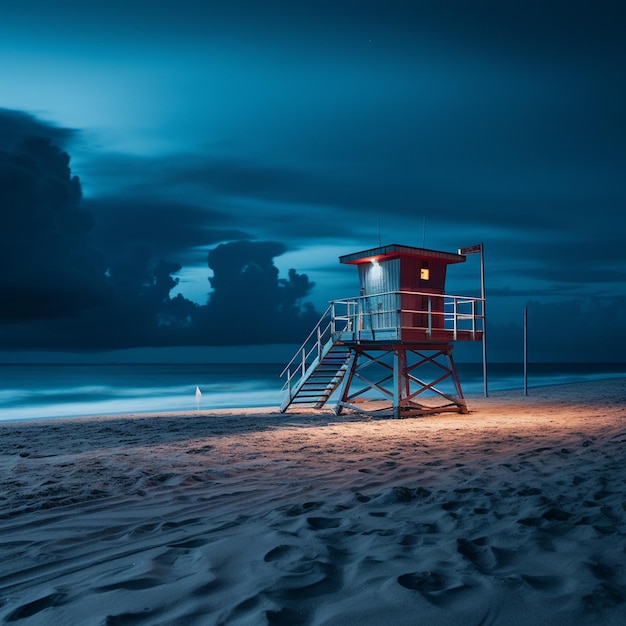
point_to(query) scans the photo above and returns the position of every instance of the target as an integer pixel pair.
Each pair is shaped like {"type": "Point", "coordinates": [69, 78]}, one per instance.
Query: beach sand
{"type": "Point", "coordinates": [512, 514]}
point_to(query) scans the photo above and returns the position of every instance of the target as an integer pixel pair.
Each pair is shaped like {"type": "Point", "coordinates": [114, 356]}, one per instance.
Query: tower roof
{"type": "Point", "coordinates": [394, 250]}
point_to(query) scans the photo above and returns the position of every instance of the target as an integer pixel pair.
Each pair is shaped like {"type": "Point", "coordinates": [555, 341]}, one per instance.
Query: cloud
{"type": "Point", "coordinates": [99, 274]}
{"type": "Point", "coordinates": [47, 267]}
{"type": "Point", "coordinates": [263, 194]}
{"type": "Point", "coordinates": [169, 227]}
{"type": "Point", "coordinates": [250, 304]}
{"type": "Point", "coordinates": [16, 125]}
{"type": "Point", "coordinates": [576, 329]}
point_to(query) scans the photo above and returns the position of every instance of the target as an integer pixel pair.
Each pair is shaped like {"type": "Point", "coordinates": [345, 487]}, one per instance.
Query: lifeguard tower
{"type": "Point", "coordinates": [389, 349]}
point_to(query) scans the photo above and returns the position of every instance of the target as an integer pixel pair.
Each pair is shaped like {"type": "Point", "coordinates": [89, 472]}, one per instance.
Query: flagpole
{"type": "Point", "coordinates": [482, 295]}
{"type": "Point", "coordinates": [479, 248]}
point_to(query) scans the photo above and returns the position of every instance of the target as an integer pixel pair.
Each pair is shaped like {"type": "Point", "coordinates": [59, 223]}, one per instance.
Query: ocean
{"type": "Point", "coordinates": [51, 391]}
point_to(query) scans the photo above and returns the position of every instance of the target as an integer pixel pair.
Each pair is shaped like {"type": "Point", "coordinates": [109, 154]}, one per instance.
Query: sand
{"type": "Point", "coordinates": [512, 514]}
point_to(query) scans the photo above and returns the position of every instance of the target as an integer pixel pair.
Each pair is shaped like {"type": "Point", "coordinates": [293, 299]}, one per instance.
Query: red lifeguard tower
{"type": "Point", "coordinates": [390, 349]}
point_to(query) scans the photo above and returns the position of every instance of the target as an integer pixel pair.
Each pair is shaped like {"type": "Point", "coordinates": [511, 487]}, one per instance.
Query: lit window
{"type": "Point", "coordinates": [425, 271]}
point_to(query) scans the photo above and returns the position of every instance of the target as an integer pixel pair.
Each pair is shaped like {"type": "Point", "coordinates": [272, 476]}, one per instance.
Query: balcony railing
{"type": "Point", "coordinates": [408, 310]}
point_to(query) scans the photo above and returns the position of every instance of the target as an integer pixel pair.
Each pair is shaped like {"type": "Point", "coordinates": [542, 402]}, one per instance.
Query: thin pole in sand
{"type": "Point", "coordinates": [525, 350]}
{"type": "Point", "coordinates": [482, 295]}
{"type": "Point", "coordinates": [480, 249]}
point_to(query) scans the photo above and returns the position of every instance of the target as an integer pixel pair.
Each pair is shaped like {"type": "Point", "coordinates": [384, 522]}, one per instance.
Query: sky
{"type": "Point", "coordinates": [176, 175]}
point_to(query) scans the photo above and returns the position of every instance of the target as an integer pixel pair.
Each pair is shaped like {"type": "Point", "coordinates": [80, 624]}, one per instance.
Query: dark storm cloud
{"type": "Point", "coordinates": [96, 275]}
{"type": "Point", "coordinates": [576, 329]}
{"type": "Point", "coordinates": [171, 228]}
{"type": "Point", "coordinates": [577, 272]}
{"type": "Point", "coordinates": [547, 231]}
{"type": "Point", "coordinates": [250, 304]}
{"type": "Point", "coordinates": [47, 267]}
{"type": "Point", "coordinates": [282, 188]}
{"type": "Point", "coordinates": [16, 125]}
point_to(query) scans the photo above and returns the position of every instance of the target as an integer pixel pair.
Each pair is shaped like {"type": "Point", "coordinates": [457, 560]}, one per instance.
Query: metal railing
{"type": "Point", "coordinates": [409, 309]}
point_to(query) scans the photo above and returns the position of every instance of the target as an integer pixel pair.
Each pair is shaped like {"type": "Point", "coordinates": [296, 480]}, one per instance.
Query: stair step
{"type": "Point", "coordinates": [328, 364]}
{"type": "Point", "coordinates": [321, 384]}
{"type": "Point", "coordinates": [317, 384]}
{"type": "Point", "coordinates": [326, 375]}
{"type": "Point", "coordinates": [315, 398]}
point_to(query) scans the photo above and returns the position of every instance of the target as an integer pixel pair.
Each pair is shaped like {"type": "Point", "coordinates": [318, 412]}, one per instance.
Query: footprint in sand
{"type": "Point", "coordinates": [285, 617]}
{"type": "Point", "coordinates": [435, 587]}
{"type": "Point", "coordinates": [303, 576]}
{"type": "Point", "coordinates": [543, 582]}
{"type": "Point", "coordinates": [294, 510]}
{"type": "Point", "coordinates": [389, 464]}
{"type": "Point", "coordinates": [603, 571]}
{"type": "Point", "coordinates": [528, 491]}
{"type": "Point", "coordinates": [423, 581]}
{"type": "Point", "coordinates": [131, 617]}
{"type": "Point", "coordinates": [554, 514]}
{"type": "Point", "coordinates": [36, 606]}
{"type": "Point", "coordinates": [605, 595]}
{"type": "Point", "coordinates": [409, 494]}
{"type": "Point", "coordinates": [277, 553]}
{"type": "Point", "coordinates": [478, 553]}
{"type": "Point", "coordinates": [132, 584]}
{"type": "Point", "coordinates": [322, 523]}
{"type": "Point", "coordinates": [453, 505]}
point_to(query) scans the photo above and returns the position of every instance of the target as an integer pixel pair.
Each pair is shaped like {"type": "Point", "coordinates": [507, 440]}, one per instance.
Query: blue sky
{"type": "Point", "coordinates": [308, 130]}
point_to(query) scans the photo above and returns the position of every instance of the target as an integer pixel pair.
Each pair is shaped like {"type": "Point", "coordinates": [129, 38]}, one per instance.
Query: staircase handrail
{"type": "Point", "coordinates": [302, 353]}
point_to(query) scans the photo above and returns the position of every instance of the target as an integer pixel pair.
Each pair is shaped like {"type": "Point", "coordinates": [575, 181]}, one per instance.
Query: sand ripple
{"type": "Point", "coordinates": [512, 514]}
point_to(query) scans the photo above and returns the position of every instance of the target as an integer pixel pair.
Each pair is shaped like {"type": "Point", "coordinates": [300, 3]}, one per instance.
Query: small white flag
{"type": "Point", "coordinates": [198, 396]}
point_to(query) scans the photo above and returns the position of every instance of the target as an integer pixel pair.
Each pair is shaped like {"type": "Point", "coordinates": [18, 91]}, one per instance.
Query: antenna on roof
{"type": "Point", "coordinates": [424, 232]}
{"type": "Point", "coordinates": [380, 243]}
